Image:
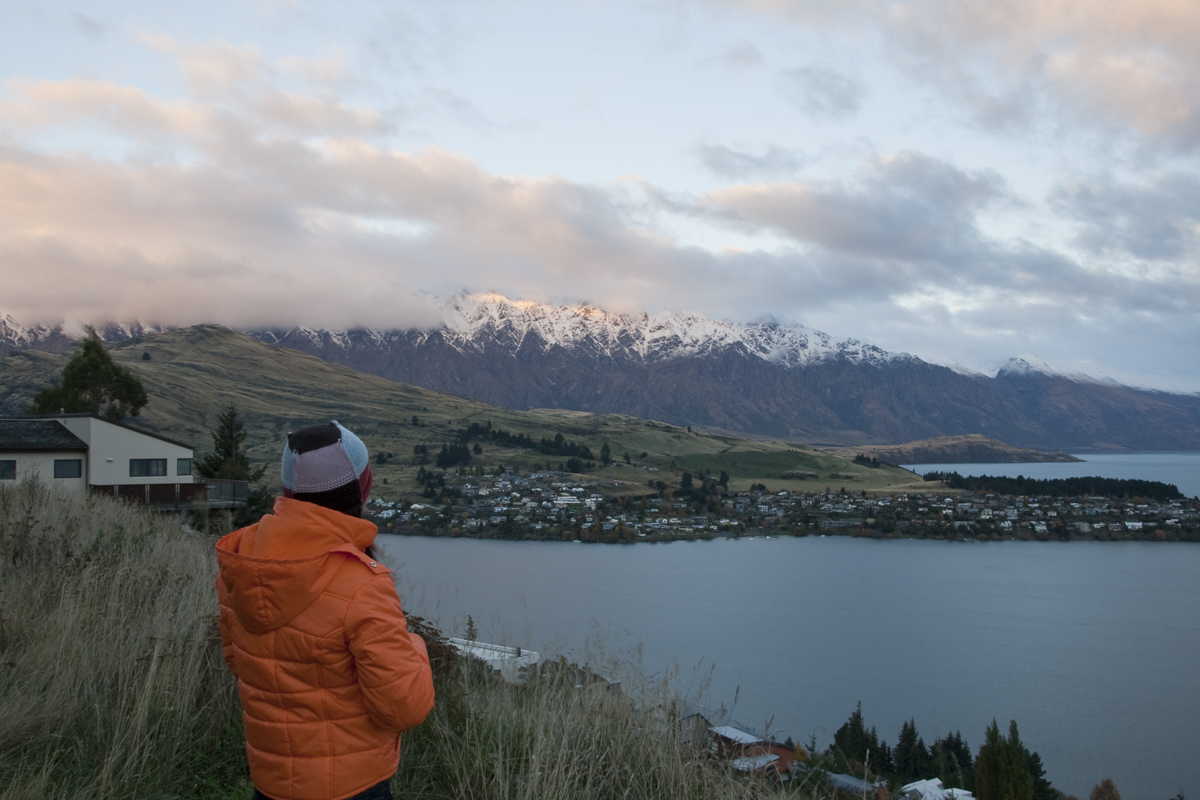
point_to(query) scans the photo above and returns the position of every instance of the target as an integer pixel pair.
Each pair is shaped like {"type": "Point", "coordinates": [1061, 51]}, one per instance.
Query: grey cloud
{"type": "Point", "coordinates": [1157, 219]}
{"type": "Point", "coordinates": [1136, 66]}
{"type": "Point", "coordinates": [823, 91]}
{"type": "Point", "coordinates": [910, 207]}
{"type": "Point", "coordinates": [773, 162]}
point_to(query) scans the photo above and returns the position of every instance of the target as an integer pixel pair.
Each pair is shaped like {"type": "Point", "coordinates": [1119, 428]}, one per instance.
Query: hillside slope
{"type": "Point", "coordinates": [191, 373]}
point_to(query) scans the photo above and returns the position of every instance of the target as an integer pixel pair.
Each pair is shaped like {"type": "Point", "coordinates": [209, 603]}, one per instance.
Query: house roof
{"type": "Point", "coordinates": [735, 735]}
{"type": "Point", "coordinates": [37, 434]}
{"type": "Point", "coordinates": [118, 424]}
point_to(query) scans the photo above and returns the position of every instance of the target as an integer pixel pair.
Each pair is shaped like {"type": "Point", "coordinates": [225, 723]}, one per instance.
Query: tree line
{"type": "Point", "coordinates": [1003, 769]}
{"type": "Point", "coordinates": [1120, 488]}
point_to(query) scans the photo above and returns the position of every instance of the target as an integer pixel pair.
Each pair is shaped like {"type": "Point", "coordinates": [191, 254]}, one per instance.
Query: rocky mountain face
{"type": "Point", "coordinates": [764, 378]}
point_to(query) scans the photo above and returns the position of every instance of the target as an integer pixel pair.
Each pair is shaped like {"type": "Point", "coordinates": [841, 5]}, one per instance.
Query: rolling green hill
{"type": "Point", "coordinates": [191, 373]}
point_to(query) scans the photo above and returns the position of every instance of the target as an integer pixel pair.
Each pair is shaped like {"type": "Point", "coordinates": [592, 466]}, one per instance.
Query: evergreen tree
{"type": "Point", "coordinates": [953, 762]}
{"type": "Point", "coordinates": [92, 384]}
{"type": "Point", "coordinates": [987, 764]}
{"type": "Point", "coordinates": [881, 759]}
{"type": "Point", "coordinates": [911, 754]}
{"type": "Point", "coordinates": [1042, 788]}
{"type": "Point", "coordinates": [850, 741]}
{"type": "Point", "coordinates": [605, 454]}
{"type": "Point", "coordinates": [229, 461]}
{"type": "Point", "coordinates": [1000, 768]}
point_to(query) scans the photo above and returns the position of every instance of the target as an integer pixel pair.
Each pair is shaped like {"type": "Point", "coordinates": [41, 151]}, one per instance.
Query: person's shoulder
{"type": "Point", "coordinates": [355, 569]}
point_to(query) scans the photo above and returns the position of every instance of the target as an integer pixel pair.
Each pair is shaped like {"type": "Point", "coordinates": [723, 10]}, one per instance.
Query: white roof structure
{"type": "Point", "coordinates": [751, 763]}
{"type": "Point", "coordinates": [932, 789]}
{"type": "Point", "coordinates": [735, 735]}
{"type": "Point", "coordinates": [508, 661]}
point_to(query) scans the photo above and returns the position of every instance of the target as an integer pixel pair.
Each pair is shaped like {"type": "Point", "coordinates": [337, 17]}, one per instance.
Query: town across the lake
{"type": "Point", "coordinates": [561, 506]}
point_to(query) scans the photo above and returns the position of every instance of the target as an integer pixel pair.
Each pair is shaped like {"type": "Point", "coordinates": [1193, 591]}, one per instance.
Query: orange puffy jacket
{"type": "Point", "coordinates": [327, 671]}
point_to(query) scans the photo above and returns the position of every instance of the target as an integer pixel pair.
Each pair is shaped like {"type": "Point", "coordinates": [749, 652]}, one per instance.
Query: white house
{"type": "Point", "coordinates": [86, 452]}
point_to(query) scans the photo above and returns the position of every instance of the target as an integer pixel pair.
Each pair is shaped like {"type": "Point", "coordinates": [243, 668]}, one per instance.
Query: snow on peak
{"type": "Point", "coordinates": [1029, 364]}
{"type": "Point", "coordinates": [471, 318]}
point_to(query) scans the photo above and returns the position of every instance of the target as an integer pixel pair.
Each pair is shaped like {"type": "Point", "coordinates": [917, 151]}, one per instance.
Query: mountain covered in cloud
{"type": "Point", "coordinates": [763, 378]}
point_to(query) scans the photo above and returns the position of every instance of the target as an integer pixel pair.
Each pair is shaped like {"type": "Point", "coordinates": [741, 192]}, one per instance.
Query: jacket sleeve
{"type": "Point", "coordinates": [392, 664]}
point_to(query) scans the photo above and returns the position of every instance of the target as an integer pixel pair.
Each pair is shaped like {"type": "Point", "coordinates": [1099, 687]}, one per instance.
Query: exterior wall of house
{"type": "Point", "coordinates": [111, 448]}
{"type": "Point", "coordinates": [41, 464]}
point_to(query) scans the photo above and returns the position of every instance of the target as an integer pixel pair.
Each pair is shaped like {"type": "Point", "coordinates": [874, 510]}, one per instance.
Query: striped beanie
{"type": "Point", "coordinates": [327, 465]}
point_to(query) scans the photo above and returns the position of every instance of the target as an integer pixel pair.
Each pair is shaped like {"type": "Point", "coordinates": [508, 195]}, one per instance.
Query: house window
{"type": "Point", "coordinates": [183, 466]}
{"type": "Point", "coordinates": [8, 470]}
{"type": "Point", "coordinates": [68, 467]}
{"type": "Point", "coordinates": [147, 467]}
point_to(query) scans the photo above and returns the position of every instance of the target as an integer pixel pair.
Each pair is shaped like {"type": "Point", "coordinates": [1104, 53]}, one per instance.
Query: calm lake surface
{"type": "Point", "coordinates": [1093, 647]}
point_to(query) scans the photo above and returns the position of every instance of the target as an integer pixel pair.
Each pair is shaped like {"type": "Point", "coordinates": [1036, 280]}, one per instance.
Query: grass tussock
{"type": "Point", "coordinates": [112, 685]}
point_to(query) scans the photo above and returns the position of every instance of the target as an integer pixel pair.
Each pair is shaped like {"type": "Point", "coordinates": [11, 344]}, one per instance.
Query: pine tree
{"type": "Point", "coordinates": [1000, 768]}
{"type": "Point", "coordinates": [953, 763]}
{"type": "Point", "coordinates": [92, 384]}
{"type": "Point", "coordinates": [1042, 788]}
{"type": "Point", "coordinates": [228, 460]}
{"type": "Point", "coordinates": [911, 754]}
{"type": "Point", "coordinates": [850, 741]}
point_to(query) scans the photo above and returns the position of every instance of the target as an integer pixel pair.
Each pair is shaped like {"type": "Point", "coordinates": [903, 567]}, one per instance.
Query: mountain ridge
{"type": "Point", "coordinates": [765, 378]}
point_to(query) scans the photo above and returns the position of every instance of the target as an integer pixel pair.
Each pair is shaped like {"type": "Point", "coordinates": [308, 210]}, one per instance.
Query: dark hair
{"type": "Point", "coordinates": [344, 498]}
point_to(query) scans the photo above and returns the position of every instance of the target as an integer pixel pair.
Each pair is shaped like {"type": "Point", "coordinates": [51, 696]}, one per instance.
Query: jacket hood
{"type": "Point", "coordinates": [277, 567]}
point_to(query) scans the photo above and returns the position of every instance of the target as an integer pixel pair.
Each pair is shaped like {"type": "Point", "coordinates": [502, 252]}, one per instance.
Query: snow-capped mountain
{"type": "Point", "coordinates": [764, 378]}
{"type": "Point", "coordinates": [58, 338]}
{"type": "Point", "coordinates": [473, 322]}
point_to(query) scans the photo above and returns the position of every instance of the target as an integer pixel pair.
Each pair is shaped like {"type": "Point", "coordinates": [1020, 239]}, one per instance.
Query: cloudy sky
{"type": "Point", "coordinates": [965, 180]}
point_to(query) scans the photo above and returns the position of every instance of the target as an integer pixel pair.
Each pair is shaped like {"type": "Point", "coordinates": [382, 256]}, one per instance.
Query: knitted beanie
{"type": "Point", "coordinates": [327, 465]}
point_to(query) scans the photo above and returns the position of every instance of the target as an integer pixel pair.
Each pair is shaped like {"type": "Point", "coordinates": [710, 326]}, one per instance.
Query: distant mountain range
{"type": "Point", "coordinates": [764, 378]}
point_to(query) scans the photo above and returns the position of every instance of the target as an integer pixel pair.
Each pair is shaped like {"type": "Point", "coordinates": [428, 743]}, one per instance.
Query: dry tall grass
{"type": "Point", "coordinates": [551, 738]}
{"type": "Point", "coordinates": [111, 679]}
{"type": "Point", "coordinates": [112, 685]}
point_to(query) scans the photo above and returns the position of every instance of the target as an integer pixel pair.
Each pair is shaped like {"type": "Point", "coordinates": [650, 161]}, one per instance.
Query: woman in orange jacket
{"type": "Point", "coordinates": [328, 673]}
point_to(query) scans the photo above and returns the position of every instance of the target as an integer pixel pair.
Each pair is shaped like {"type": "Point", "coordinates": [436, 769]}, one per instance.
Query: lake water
{"type": "Point", "coordinates": [1181, 468]}
{"type": "Point", "coordinates": [1092, 647]}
